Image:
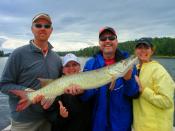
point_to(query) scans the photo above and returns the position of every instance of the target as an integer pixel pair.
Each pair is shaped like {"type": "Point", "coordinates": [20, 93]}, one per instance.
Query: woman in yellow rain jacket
{"type": "Point", "coordinates": [153, 111]}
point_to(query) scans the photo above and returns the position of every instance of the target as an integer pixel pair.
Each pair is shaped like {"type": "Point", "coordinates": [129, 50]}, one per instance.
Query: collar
{"type": "Point", "coordinates": [35, 48]}
{"type": "Point", "coordinates": [119, 55]}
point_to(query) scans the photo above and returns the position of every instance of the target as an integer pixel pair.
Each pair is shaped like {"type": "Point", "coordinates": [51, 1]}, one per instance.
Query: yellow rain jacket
{"type": "Point", "coordinates": [153, 111]}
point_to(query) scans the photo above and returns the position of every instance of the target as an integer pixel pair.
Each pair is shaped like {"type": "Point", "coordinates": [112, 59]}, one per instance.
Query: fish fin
{"type": "Point", "coordinates": [45, 82]}
{"type": "Point", "coordinates": [112, 84]}
{"type": "Point", "coordinates": [24, 102]}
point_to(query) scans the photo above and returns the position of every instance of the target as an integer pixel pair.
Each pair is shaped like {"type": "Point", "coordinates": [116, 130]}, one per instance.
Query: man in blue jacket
{"type": "Point", "coordinates": [112, 109]}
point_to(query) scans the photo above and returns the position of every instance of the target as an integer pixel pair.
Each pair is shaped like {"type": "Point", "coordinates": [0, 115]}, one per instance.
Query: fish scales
{"type": "Point", "coordinates": [86, 80]}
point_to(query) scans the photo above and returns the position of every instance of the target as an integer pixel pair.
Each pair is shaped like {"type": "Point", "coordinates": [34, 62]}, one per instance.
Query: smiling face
{"type": "Point", "coordinates": [144, 53]}
{"type": "Point", "coordinates": [108, 46]}
{"type": "Point", "coordinates": [71, 67]}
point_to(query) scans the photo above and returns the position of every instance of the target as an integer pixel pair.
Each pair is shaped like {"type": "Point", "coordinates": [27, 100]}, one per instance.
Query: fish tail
{"type": "Point", "coordinates": [24, 101]}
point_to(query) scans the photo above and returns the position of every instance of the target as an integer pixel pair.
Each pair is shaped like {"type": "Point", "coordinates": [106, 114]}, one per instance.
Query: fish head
{"type": "Point", "coordinates": [121, 68]}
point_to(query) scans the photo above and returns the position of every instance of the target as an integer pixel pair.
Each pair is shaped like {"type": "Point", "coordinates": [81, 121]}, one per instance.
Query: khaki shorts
{"type": "Point", "coordinates": [41, 125]}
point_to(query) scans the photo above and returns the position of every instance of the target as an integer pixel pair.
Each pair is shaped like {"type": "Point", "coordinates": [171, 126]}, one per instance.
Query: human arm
{"type": "Point", "coordinates": [131, 86]}
{"type": "Point", "coordinates": [161, 92]}
{"type": "Point", "coordinates": [77, 90]}
{"type": "Point", "coordinates": [47, 102]}
{"type": "Point", "coordinates": [9, 79]}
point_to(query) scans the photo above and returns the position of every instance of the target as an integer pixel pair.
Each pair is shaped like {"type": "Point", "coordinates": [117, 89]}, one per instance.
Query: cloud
{"type": "Point", "coordinates": [12, 43]}
{"type": "Point", "coordinates": [71, 46]}
{"type": "Point", "coordinates": [76, 23]}
{"type": "Point", "coordinates": [71, 41]}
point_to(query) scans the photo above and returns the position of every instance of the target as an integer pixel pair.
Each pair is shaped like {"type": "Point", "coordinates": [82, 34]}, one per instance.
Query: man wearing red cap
{"type": "Point", "coordinates": [112, 109]}
{"type": "Point", "coordinates": [23, 68]}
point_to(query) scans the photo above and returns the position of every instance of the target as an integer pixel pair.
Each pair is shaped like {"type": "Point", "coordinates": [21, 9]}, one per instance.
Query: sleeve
{"type": "Point", "coordinates": [162, 95]}
{"type": "Point", "coordinates": [10, 74]}
{"type": "Point", "coordinates": [88, 94]}
{"type": "Point", "coordinates": [132, 88]}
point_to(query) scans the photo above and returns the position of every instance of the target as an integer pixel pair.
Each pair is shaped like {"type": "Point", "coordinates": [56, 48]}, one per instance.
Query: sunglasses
{"type": "Point", "coordinates": [39, 26]}
{"type": "Point", "coordinates": [111, 38]}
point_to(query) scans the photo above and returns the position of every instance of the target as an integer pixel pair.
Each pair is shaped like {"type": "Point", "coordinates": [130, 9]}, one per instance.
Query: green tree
{"type": "Point", "coordinates": [1, 53]}
{"type": "Point", "coordinates": [163, 47]}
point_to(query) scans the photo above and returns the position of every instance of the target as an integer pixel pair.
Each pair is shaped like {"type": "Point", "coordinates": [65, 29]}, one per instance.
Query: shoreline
{"type": "Point", "coordinates": [164, 57]}
{"type": "Point", "coordinates": [154, 56]}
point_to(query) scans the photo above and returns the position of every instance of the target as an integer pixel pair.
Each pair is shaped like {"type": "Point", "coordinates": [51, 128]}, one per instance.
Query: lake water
{"type": "Point", "coordinates": [169, 64]}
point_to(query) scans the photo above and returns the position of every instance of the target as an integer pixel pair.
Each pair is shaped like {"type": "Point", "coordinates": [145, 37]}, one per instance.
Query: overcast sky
{"type": "Point", "coordinates": [76, 22]}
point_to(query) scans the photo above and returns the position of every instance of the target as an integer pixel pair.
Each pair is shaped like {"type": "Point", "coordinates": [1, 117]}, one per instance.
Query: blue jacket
{"type": "Point", "coordinates": [112, 110]}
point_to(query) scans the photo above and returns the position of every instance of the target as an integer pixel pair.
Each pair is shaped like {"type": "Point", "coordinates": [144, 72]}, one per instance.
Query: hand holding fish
{"type": "Point", "coordinates": [73, 90]}
{"type": "Point", "coordinates": [37, 98]}
{"type": "Point", "coordinates": [128, 75]}
{"type": "Point", "coordinates": [47, 102]}
{"type": "Point", "coordinates": [139, 84]}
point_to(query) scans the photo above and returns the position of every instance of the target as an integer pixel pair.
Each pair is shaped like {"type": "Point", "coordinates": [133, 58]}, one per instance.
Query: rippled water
{"type": "Point", "coordinates": [169, 64]}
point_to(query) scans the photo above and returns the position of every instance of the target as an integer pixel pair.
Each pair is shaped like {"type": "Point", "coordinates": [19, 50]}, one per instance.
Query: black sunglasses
{"type": "Point", "coordinates": [46, 26]}
{"type": "Point", "coordinates": [111, 38]}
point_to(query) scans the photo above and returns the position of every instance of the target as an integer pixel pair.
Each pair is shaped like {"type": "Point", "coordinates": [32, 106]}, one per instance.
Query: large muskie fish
{"type": "Point", "coordinates": [86, 80]}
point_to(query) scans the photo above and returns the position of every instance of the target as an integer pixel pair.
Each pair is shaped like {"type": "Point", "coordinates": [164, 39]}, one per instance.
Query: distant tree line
{"type": "Point", "coordinates": [163, 47]}
{"type": "Point", "coordinates": [89, 51]}
{"type": "Point", "coordinates": [1, 53]}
